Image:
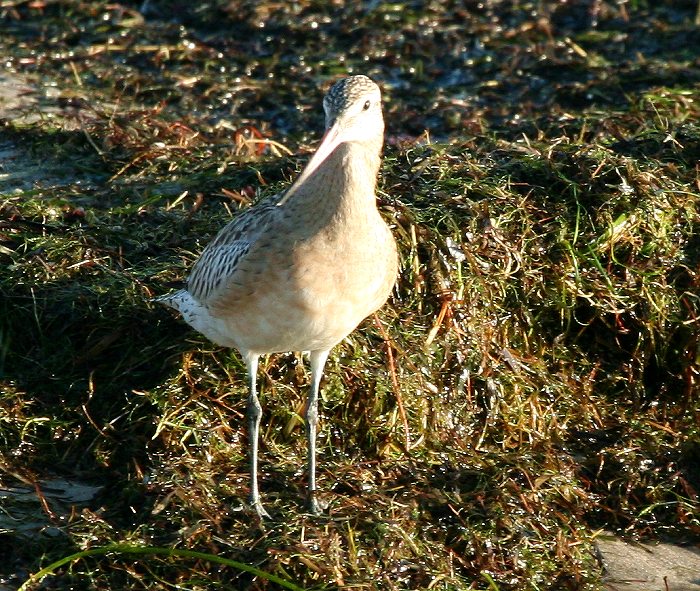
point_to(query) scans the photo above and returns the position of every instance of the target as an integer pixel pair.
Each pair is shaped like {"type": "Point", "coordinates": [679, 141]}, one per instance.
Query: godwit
{"type": "Point", "coordinates": [299, 271]}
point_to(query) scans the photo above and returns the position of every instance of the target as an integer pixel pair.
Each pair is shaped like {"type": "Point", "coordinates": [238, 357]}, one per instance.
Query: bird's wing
{"type": "Point", "coordinates": [214, 268]}
{"type": "Point", "coordinates": [217, 271]}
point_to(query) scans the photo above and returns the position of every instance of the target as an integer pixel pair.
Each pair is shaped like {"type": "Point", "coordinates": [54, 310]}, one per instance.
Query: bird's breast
{"type": "Point", "coordinates": [311, 292]}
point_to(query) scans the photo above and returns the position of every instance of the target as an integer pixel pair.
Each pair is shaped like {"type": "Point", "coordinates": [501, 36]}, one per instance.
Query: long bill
{"type": "Point", "coordinates": [329, 142]}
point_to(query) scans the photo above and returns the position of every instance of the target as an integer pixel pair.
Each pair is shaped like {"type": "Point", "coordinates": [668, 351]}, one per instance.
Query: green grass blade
{"type": "Point", "coordinates": [159, 551]}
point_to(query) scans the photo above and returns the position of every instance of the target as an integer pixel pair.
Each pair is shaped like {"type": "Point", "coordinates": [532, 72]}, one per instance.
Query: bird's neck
{"type": "Point", "coordinates": [343, 185]}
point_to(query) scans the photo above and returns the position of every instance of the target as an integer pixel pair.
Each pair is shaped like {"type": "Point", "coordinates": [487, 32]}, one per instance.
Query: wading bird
{"type": "Point", "coordinates": [300, 270]}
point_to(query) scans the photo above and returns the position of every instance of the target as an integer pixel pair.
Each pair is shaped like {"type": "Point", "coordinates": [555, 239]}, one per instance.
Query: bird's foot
{"type": "Point", "coordinates": [314, 506]}
{"type": "Point", "coordinates": [256, 505]}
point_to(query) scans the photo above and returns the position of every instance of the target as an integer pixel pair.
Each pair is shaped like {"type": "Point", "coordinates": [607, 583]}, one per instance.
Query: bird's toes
{"type": "Point", "coordinates": [259, 509]}
{"type": "Point", "coordinates": [314, 506]}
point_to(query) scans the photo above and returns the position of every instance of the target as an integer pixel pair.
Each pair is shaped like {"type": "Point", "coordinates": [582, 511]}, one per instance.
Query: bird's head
{"type": "Point", "coordinates": [353, 108]}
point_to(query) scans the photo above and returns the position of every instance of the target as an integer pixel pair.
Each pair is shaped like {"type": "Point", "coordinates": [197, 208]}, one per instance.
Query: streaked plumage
{"type": "Point", "coordinates": [299, 271]}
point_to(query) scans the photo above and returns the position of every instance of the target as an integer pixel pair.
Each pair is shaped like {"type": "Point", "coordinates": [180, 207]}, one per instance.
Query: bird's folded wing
{"type": "Point", "coordinates": [214, 275]}
{"type": "Point", "coordinates": [215, 269]}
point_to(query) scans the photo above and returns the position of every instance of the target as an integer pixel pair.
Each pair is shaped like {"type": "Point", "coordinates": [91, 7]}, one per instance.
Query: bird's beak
{"type": "Point", "coordinates": [329, 142]}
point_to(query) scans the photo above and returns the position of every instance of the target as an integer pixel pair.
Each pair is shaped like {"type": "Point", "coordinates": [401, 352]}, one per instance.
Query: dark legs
{"type": "Point", "coordinates": [254, 412]}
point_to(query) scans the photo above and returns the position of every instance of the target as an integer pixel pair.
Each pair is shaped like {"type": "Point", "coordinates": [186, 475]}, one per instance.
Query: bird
{"type": "Point", "coordinates": [301, 269]}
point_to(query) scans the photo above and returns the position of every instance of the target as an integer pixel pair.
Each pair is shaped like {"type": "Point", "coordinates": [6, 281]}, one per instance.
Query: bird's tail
{"type": "Point", "coordinates": [173, 299]}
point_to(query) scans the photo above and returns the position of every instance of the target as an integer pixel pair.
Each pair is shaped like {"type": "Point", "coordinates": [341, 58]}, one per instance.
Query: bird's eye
{"type": "Point", "coordinates": [365, 107]}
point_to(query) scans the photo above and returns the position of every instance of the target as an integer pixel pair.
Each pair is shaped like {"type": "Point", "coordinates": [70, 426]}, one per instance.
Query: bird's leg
{"type": "Point", "coordinates": [254, 413]}
{"type": "Point", "coordinates": [318, 361]}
